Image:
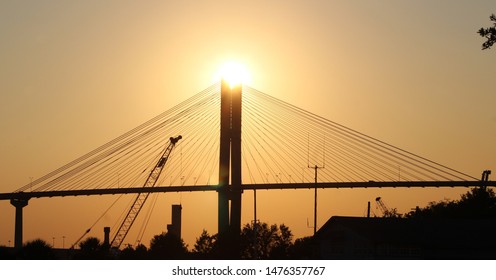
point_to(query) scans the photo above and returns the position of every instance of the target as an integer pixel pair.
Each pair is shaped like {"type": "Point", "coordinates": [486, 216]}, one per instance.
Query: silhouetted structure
{"type": "Point", "coordinates": [397, 238]}
{"type": "Point", "coordinates": [106, 236]}
{"type": "Point", "coordinates": [19, 204]}
{"type": "Point", "coordinates": [229, 190]}
{"type": "Point", "coordinates": [276, 125]}
{"type": "Point", "coordinates": [175, 227]}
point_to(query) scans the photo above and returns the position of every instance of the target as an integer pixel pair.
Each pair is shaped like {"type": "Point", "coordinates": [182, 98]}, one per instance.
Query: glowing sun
{"type": "Point", "coordinates": [234, 73]}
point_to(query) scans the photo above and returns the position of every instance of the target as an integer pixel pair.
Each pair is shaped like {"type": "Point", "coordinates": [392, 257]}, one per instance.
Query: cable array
{"type": "Point", "coordinates": [281, 143]}
{"type": "Point", "coordinates": [127, 160]}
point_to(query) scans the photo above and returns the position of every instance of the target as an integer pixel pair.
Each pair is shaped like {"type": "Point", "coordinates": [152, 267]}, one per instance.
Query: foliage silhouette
{"type": "Point", "coordinates": [167, 246]}
{"type": "Point", "coordinates": [266, 242]}
{"type": "Point", "coordinates": [391, 213]}
{"type": "Point", "coordinates": [6, 253]}
{"type": "Point", "coordinates": [270, 242]}
{"type": "Point", "coordinates": [476, 203]}
{"type": "Point", "coordinates": [303, 249]}
{"type": "Point", "coordinates": [92, 249]}
{"type": "Point", "coordinates": [204, 245]}
{"type": "Point", "coordinates": [489, 33]}
{"type": "Point", "coordinates": [138, 253]}
{"type": "Point", "coordinates": [37, 249]}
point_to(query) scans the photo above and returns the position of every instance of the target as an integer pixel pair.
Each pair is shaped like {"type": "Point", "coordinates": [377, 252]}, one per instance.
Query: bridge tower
{"type": "Point", "coordinates": [229, 192]}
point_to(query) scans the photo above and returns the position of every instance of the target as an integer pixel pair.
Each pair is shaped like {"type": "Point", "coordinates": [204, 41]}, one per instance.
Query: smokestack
{"type": "Point", "coordinates": [368, 209]}
{"type": "Point", "coordinates": [106, 239]}
{"type": "Point", "coordinates": [175, 226]}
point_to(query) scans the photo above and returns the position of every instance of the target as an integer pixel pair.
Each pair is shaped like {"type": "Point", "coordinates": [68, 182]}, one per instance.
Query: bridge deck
{"type": "Point", "coordinates": [273, 186]}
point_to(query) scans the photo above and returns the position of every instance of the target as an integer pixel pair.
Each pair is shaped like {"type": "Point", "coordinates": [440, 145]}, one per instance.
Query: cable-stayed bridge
{"type": "Point", "coordinates": [275, 145]}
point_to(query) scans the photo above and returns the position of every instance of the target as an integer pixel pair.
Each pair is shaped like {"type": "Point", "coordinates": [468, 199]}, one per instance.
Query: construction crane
{"type": "Point", "coordinates": [381, 205]}
{"type": "Point", "coordinates": [141, 198]}
{"type": "Point", "coordinates": [386, 212]}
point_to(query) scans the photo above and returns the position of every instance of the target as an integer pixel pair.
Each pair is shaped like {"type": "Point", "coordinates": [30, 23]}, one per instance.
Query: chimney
{"type": "Point", "coordinates": [175, 226]}
{"type": "Point", "coordinates": [106, 239]}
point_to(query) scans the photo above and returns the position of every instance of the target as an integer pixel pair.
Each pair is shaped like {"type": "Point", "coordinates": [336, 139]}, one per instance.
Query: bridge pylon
{"type": "Point", "coordinates": [229, 220]}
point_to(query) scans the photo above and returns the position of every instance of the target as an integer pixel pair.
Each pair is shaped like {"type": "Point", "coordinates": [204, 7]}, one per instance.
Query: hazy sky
{"type": "Point", "coordinates": [76, 74]}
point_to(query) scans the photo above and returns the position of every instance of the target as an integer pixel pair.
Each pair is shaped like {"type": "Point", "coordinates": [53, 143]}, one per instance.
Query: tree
{"type": "Point", "coordinates": [391, 213]}
{"type": "Point", "coordinates": [260, 242]}
{"type": "Point", "coordinates": [489, 33]}
{"type": "Point", "coordinates": [167, 246]}
{"type": "Point", "coordinates": [138, 253]}
{"type": "Point", "coordinates": [37, 249]}
{"type": "Point", "coordinates": [6, 253]}
{"type": "Point", "coordinates": [283, 243]}
{"type": "Point", "coordinates": [476, 203]}
{"type": "Point", "coordinates": [90, 244]}
{"type": "Point", "coordinates": [266, 242]}
{"type": "Point", "coordinates": [92, 249]}
{"type": "Point", "coordinates": [204, 245]}
{"type": "Point", "coordinates": [303, 249]}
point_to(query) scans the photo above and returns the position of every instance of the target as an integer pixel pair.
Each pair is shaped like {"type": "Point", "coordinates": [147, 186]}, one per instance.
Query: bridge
{"type": "Point", "coordinates": [237, 139]}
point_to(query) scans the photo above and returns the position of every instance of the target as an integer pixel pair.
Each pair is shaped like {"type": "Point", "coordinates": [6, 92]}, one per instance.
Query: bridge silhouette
{"type": "Point", "coordinates": [275, 145]}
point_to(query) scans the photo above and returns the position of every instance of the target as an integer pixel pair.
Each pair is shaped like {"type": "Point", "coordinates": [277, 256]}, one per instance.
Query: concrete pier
{"type": "Point", "coordinates": [19, 204]}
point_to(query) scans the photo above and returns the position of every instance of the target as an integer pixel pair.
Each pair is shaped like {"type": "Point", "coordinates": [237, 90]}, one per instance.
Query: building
{"type": "Point", "coordinates": [401, 238]}
{"type": "Point", "coordinates": [175, 227]}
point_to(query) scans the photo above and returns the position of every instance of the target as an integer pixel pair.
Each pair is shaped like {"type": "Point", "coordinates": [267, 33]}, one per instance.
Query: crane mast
{"type": "Point", "coordinates": [141, 197]}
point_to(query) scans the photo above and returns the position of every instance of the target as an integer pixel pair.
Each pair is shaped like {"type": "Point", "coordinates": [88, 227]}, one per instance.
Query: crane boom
{"type": "Point", "coordinates": [381, 205]}
{"type": "Point", "coordinates": [387, 212]}
{"type": "Point", "coordinates": [141, 197]}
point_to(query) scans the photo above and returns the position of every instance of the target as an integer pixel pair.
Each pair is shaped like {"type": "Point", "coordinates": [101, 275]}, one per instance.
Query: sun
{"type": "Point", "coordinates": [234, 73]}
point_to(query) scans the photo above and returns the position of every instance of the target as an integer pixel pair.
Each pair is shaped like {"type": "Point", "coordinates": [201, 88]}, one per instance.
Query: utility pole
{"type": "Point", "coordinates": [315, 199]}
{"type": "Point", "coordinates": [316, 168]}
{"type": "Point", "coordinates": [368, 209]}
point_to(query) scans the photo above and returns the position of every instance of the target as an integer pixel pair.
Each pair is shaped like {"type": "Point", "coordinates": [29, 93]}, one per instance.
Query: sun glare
{"type": "Point", "coordinates": [234, 73]}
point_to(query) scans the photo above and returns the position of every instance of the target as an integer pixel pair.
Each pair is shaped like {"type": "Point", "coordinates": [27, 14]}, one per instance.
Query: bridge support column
{"type": "Point", "coordinates": [18, 204]}
{"type": "Point", "coordinates": [236, 159]}
{"type": "Point", "coordinates": [224, 158]}
{"type": "Point", "coordinates": [229, 216]}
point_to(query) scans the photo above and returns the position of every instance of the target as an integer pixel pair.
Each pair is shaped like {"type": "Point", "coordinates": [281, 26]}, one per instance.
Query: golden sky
{"type": "Point", "coordinates": [76, 74]}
